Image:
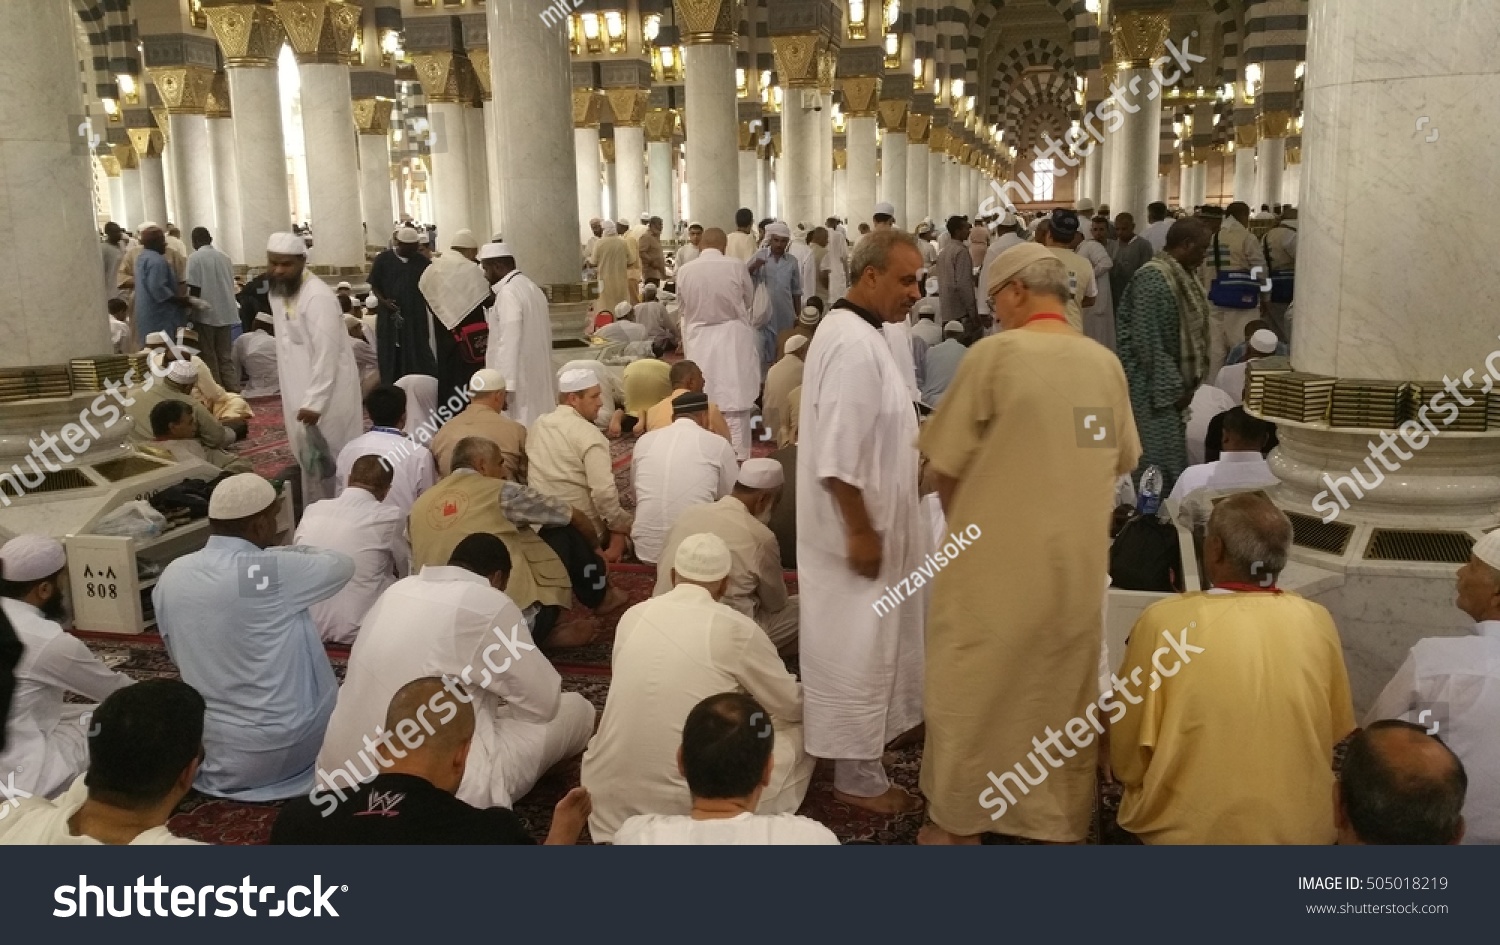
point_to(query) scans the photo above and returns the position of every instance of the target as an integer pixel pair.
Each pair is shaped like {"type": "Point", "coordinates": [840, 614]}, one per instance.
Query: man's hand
{"type": "Point", "coordinates": [240, 427]}
{"type": "Point", "coordinates": [865, 553]}
{"type": "Point", "coordinates": [615, 422]}
{"type": "Point", "coordinates": [308, 416]}
{"type": "Point", "coordinates": [585, 528]}
{"type": "Point", "coordinates": [569, 817]}
{"type": "Point", "coordinates": [615, 550]}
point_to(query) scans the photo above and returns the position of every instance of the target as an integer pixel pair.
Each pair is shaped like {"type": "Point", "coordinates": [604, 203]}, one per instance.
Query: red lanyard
{"type": "Point", "coordinates": [1248, 588]}
{"type": "Point", "coordinates": [1044, 316]}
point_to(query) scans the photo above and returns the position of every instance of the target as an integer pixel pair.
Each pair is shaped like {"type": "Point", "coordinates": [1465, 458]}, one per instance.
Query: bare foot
{"type": "Point", "coordinates": [894, 801]}
{"type": "Point", "coordinates": [931, 835]}
{"type": "Point", "coordinates": [614, 600]}
{"type": "Point", "coordinates": [915, 736]}
{"type": "Point", "coordinates": [573, 633]}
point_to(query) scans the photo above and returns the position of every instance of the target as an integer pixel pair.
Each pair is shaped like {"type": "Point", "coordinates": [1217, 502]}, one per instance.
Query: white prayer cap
{"type": "Point", "coordinates": [574, 380]}
{"type": "Point", "coordinates": [496, 251]}
{"type": "Point", "coordinates": [953, 328]}
{"type": "Point", "coordinates": [779, 229]}
{"type": "Point", "coordinates": [261, 318]}
{"type": "Point", "coordinates": [594, 220]}
{"type": "Point", "coordinates": [156, 338]}
{"type": "Point", "coordinates": [932, 286]}
{"type": "Point", "coordinates": [286, 244]}
{"type": "Point", "coordinates": [885, 209]}
{"type": "Point", "coordinates": [609, 228]}
{"type": "Point", "coordinates": [32, 557]}
{"type": "Point", "coordinates": [1086, 205]}
{"type": "Point", "coordinates": [795, 343]}
{"type": "Point", "coordinates": [1486, 549]}
{"type": "Point", "coordinates": [352, 321]}
{"type": "Point", "coordinates": [623, 309]}
{"type": "Point", "coordinates": [371, 301]}
{"type": "Point", "coordinates": [763, 473]}
{"type": "Point", "coordinates": [486, 381]}
{"type": "Point", "coordinates": [648, 292]}
{"type": "Point", "coordinates": [424, 237]}
{"type": "Point", "coordinates": [1009, 220]}
{"type": "Point", "coordinates": [240, 497]}
{"type": "Point", "coordinates": [406, 235]}
{"type": "Point", "coordinates": [645, 216]}
{"type": "Point", "coordinates": [927, 306]}
{"type": "Point", "coordinates": [182, 372]}
{"type": "Point", "coordinates": [464, 239]}
{"type": "Point", "coordinates": [148, 226]}
{"type": "Point", "coordinates": [345, 285]}
{"type": "Point", "coordinates": [1264, 341]}
{"type": "Point", "coordinates": [702, 557]}
{"type": "Point", "coordinates": [810, 316]}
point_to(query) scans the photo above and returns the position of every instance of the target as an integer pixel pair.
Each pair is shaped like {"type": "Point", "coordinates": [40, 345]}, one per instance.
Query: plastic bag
{"type": "Point", "coordinates": [314, 455]}
{"type": "Point", "coordinates": [132, 520]}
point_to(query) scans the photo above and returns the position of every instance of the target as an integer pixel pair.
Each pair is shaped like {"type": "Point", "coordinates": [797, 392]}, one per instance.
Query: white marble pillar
{"type": "Point", "coordinates": [586, 165]}
{"type": "Point", "coordinates": [1163, 188]}
{"type": "Point", "coordinates": [449, 186]}
{"type": "Point", "coordinates": [861, 194]}
{"type": "Point", "coordinates": [154, 190]}
{"type": "Point", "coordinates": [630, 172]}
{"type": "Point", "coordinates": [1107, 160]}
{"type": "Point", "coordinates": [479, 168]}
{"type": "Point", "coordinates": [824, 126]}
{"type": "Point", "coordinates": [917, 208]}
{"type": "Point", "coordinates": [1198, 175]}
{"type": "Point", "coordinates": [1092, 177]}
{"type": "Point", "coordinates": [260, 154]}
{"type": "Point", "coordinates": [763, 178]}
{"type": "Point", "coordinates": [712, 121]}
{"type": "Point", "coordinates": [50, 309]}
{"type": "Point", "coordinates": [1244, 176]}
{"type": "Point", "coordinates": [117, 209]}
{"type": "Point", "coordinates": [534, 130]}
{"type": "Point", "coordinates": [332, 165]}
{"type": "Point", "coordinates": [1133, 176]}
{"type": "Point", "coordinates": [1270, 159]}
{"type": "Point", "coordinates": [659, 170]}
{"type": "Point", "coordinates": [841, 194]}
{"type": "Point", "coordinates": [893, 154]}
{"type": "Point", "coordinates": [952, 186]}
{"type": "Point", "coordinates": [935, 208]}
{"type": "Point", "coordinates": [799, 183]}
{"type": "Point", "coordinates": [135, 198]}
{"type": "Point", "coordinates": [493, 183]}
{"type": "Point", "coordinates": [610, 197]}
{"type": "Point", "coordinates": [749, 178]}
{"type": "Point", "coordinates": [1291, 185]}
{"type": "Point", "coordinates": [375, 188]}
{"type": "Point", "coordinates": [192, 172]}
{"type": "Point", "coordinates": [227, 236]}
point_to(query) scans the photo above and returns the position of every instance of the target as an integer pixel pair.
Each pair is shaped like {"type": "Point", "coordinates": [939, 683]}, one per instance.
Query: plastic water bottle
{"type": "Point", "coordinates": [1148, 494]}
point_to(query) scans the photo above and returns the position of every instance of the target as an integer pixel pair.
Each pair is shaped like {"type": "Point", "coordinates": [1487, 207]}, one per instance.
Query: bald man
{"type": "Point", "coordinates": [1399, 785]}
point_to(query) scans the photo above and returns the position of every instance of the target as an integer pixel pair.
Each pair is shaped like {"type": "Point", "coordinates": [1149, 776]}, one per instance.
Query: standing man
{"type": "Point", "coordinates": [1157, 225]}
{"type": "Point", "coordinates": [860, 530]}
{"type": "Point", "coordinates": [836, 261]}
{"type": "Point", "coordinates": [955, 276]}
{"type": "Point", "coordinates": [1099, 318]}
{"type": "Point", "coordinates": [520, 345]}
{"type": "Point", "coordinates": [996, 676]}
{"type": "Point", "coordinates": [401, 339]}
{"type": "Point", "coordinates": [161, 302]}
{"type": "Point", "coordinates": [715, 292]}
{"type": "Point", "coordinates": [210, 277]}
{"type": "Point", "coordinates": [612, 259]}
{"type": "Point", "coordinates": [1235, 249]}
{"type": "Point", "coordinates": [688, 253]}
{"type": "Point", "coordinates": [775, 268]}
{"type": "Point", "coordinates": [111, 249]}
{"type": "Point", "coordinates": [1129, 253]}
{"type": "Point", "coordinates": [457, 292]}
{"type": "Point", "coordinates": [742, 243]}
{"type": "Point", "coordinates": [319, 379]}
{"type": "Point", "coordinates": [653, 257]}
{"type": "Point", "coordinates": [1162, 326]}
{"type": "Point", "coordinates": [1058, 235]}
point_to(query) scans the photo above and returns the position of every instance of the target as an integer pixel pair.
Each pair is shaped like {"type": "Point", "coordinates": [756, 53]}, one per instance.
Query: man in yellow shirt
{"type": "Point", "coordinates": [1234, 699]}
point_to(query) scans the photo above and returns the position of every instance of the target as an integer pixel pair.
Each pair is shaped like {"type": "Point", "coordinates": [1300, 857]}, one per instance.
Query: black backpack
{"type": "Point", "coordinates": [1145, 556]}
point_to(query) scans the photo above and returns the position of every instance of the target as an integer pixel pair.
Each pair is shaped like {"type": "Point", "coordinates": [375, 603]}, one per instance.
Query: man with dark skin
{"type": "Point", "coordinates": [653, 259]}
{"type": "Point", "coordinates": [1129, 252]}
{"type": "Point", "coordinates": [401, 316]}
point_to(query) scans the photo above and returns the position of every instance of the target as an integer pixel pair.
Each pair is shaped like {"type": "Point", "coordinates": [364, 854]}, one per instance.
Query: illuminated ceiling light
{"type": "Point", "coordinates": [651, 26]}
{"type": "Point", "coordinates": [128, 89]}
{"type": "Point", "coordinates": [857, 18]}
{"type": "Point", "coordinates": [591, 26]}
{"type": "Point", "coordinates": [916, 69]}
{"type": "Point", "coordinates": [1092, 6]}
{"type": "Point", "coordinates": [1301, 70]}
{"type": "Point", "coordinates": [740, 86]}
{"type": "Point", "coordinates": [614, 24]}
{"type": "Point", "coordinates": [892, 13]}
{"type": "Point", "coordinates": [111, 107]}
{"type": "Point", "coordinates": [957, 87]}
{"type": "Point", "coordinates": [937, 88]}
{"type": "Point", "coordinates": [892, 44]}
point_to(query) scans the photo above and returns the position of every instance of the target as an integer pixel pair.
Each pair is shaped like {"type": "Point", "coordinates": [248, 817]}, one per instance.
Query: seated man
{"type": "Point", "coordinates": [551, 543]}
{"type": "Point", "coordinates": [926, 328]}
{"type": "Point", "coordinates": [942, 363]}
{"type": "Point", "coordinates": [254, 355]}
{"type": "Point", "coordinates": [646, 381]}
{"type": "Point", "coordinates": [611, 416]}
{"type": "Point", "coordinates": [806, 325]}
{"type": "Point", "coordinates": [1399, 785]}
{"type": "Point", "coordinates": [234, 617]}
{"type": "Point", "coordinates": [672, 652]}
{"type": "Point", "coordinates": [652, 316]}
{"type": "Point", "coordinates": [686, 377]}
{"type": "Point", "coordinates": [176, 431]}
{"type": "Point", "coordinates": [783, 518]}
{"type": "Point", "coordinates": [1208, 402]}
{"type": "Point", "coordinates": [1231, 378]}
{"type": "Point", "coordinates": [360, 525]}
{"type": "Point", "coordinates": [757, 586]}
{"type": "Point", "coordinates": [413, 470]}
{"type": "Point", "coordinates": [145, 745]}
{"type": "Point", "coordinates": [456, 621]}
{"type": "Point", "coordinates": [1240, 464]}
{"type": "Point", "coordinates": [675, 467]}
{"type": "Point", "coordinates": [119, 329]}
{"type": "Point", "coordinates": [46, 747]}
{"type": "Point", "coordinates": [623, 330]}
{"type": "Point", "coordinates": [228, 407]}
{"type": "Point", "coordinates": [570, 460]}
{"type": "Point", "coordinates": [365, 357]}
{"type": "Point", "coordinates": [412, 801]}
{"type": "Point", "coordinates": [784, 377]}
{"type": "Point", "coordinates": [1231, 740]}
{"type": "Point", "coordinates": [1454, 683]}
{"type": "Point", "coordinates": [181, 377]}
{"type": "Point", "coordinates": [484, 417]}
{"type": "Point", "coordinates": [1241, 351]}
{"type": "Point", "coordinates": [726, 759]}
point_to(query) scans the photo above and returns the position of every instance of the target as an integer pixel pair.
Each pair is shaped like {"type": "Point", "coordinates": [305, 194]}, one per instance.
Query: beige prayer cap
{"type": "Point", "coordinates": [464, 239]}
{"type": "Point", "coordinates": [1486, 549]}
{"type": "Point", "coordinates": [575, 380]}
{"type": "Point", "coordinates": [778, 229]}
{"type": "Point", "coordinates": [183, 372]}
{"type": "Point", "coordinates": [702, 557]}
{"type": "Point", "coordinates": [1012, 261]}
{"type": "Point", "coordinates": [795, 343]}
{"type": "Point", "coordinates": [764, 473]}
{"type": "Point", "coordinates": [496, 251]}
{"type": "Point", "coordinates": [406, 235]}
{"type": "Point", "coordinates": [240, 497]}
{"type": "Point", "coordinates": [486, 381]}
{"type": "Point", "coordinates": [32, 557]}
{"type": "Point", "coordinates": [286, 244]}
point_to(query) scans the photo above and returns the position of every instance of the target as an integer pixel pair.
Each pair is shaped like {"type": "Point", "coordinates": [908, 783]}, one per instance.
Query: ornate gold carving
{"type": "Point", "coordinates": [917, 127]}
{"type": "Point", "coordinates": [1275, 124]}
{"type": "Point", "coordinates": [893, 115]}
{"type": "Point", "coordinates": [480, 60]}
{"type": "Point", "coordinates": [320, 30]}
{"type": "Point", "coordinates": [828, 67]}
{"type": "Point", "coordinates": [748, 137]}
{"type": "Point", "coordinates": [110, 164]}
{"type": "Point", "coordinates": [861, 96]}
{"type": "Point", "coordinates": [607, 148]}
{"type": "Point", "coordinates": [446, 77]}
{"type": "Point", "coordinates": [184, 89]}
{"type": "Point", "coordinates": [1246, 136]}
{"type": "Point", "coordinates": [629, 106]}
{"type": "Point", "coordinates": [937, 139]}
{"type": "Point", "coordinates": [163, 122]}
{"type": "Point", "coordinates": [708, 22]}
{"type": "Point", "coordinates": [841, 160]}
{"type": "Point", "coordinates": [586, 104]}
{"type": "Point", "coordinates": [250, 34]}
{"type": "Point", "coordinates": [661, 124]}
{"type": "Point", "coordinates": [1140, 37]}
{"type": "Point", "coordinates": [147, 142]}
{"type": "Point", "coordinates": [800, 59]}
{"type": "Point", "coordinates": [126, 156]}
{"type": "Point", "coordinates": [372, 116]}
{"type": "Point", "coordinates": [218, 104]}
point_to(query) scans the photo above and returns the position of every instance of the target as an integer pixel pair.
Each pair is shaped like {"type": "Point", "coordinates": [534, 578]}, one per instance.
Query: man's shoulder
{"type": "Point", "coordinates": [1467, 654]}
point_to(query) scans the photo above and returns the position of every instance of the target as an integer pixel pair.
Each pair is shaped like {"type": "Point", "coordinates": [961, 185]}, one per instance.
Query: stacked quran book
{"type": "Point", "coordinates": [32, 383]}
{"type": "Point", "coordinates": [90, 374]}
{"type": "Point", "coordinates": [1297, 395]}
{"type": "Point", "coordinates": [1472, 417]}
{"type": "Point", "coordinates": [1359, 402]}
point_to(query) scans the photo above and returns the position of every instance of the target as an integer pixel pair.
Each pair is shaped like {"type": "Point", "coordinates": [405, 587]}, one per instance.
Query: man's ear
{"type": "Point", "coordinates": [680, 769]}
{"type": "Point", "coordinates": [765, 775]}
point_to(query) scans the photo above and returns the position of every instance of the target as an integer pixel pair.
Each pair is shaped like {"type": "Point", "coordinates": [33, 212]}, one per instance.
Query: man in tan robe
{"type": "Point", "coordinates": [485, 416]}
{"type": "Point", "coordinates": [1014, 630]}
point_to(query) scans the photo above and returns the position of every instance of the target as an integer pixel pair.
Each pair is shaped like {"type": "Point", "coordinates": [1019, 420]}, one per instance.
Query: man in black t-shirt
{"type": "Point", "coordinates": [412, 801]}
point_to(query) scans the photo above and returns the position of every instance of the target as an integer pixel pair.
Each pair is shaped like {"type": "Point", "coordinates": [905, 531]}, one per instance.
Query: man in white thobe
{"type": "Point", "coordinates": [413, 468]}
{"type": "Point", "coordinates": [255, 359]}
{"type": "Point", "coordinates": [836, 261]}
{"type": "Point", "coordinates": [520, 337]}
{"type": "Point", "coordinates": [360, 525]}
{"type": "Point", "coordinates": [46, 739]}
{"type": "Point", "coordinates": [807, 263]}
{"type": "Point", "coordinates": [680, 465]}
{"type": "Point", "coordinates": [672, 652]}
{"type": "Point", "coordinates": [319, 379]}
{"type": "Point", "coordinates": [715, 291]}
{"type": "Point", "coordinates": [456, 621]}
{"type": "Point", "coordinates": [1240, 464]}
{"type": "Point", "coordinates": [860, 530]}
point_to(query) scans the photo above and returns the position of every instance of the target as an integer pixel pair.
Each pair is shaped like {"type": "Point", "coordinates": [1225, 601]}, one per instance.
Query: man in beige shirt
{"type": "Point", "coordinates": [686, 378]}
{"type": "Point", "coordinates": [570, 460]}
{"type": "Point", "coordinates": [757, 585]}
{"type": "Point", "coordinates": [784, 377]}
{"type": "Point", "coordinates": [484, 417]}
{"type": "Point", "coordinates": [1058, 236]}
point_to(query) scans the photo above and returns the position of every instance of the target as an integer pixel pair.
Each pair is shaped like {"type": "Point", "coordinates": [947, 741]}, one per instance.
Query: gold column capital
{"type": "Point", "coordinates": [661, 124]}
{"type": "Point", "coordinates": [372, 116]}
{"type": "Point", "coordinates": [1246, 136]}
{"type": "Point", "coordinates": [110, 163]}
{"type": "Point", "coordinates": [446, 77]}
{"type": "Point", "coordinates": [1140, 36]}
{"type": "Point", "coordinates": [126, 157]}
{"type": "Point", "coordinates": [861, 96]}
{"type": "Point", "coordinates": [893, 114]}
{"type": "Point", "coordinates": [480, 60]}
{"type": "Point", "coordinates": [218, 104]}
{"type": "Point", "coordinates": [917, 127]}
{"type": "Point", "coordinates": [748, 137]}
{"type": "Point", "coordinates": [1275, 124]}
{"type": "Point", "coordinates": [802, 60]}
{"type": "Point", "coordinates": [184, 89]}
{"type": "Point", "coordinates": [147, 142]}
{"type": "Point", "coordinates": [708, 22]}
{"type": "Point", "coordinates": [249, 33]}
{"type": "Point", "coordinates": [1293, 155]}
{"type": "Point", "coordinates": [841, 160]}
{"type": "Point", "coordinates": [320, 30]}
{"type": "Point", "coordinates": [937, 139]}
{"type": "Point", "coordinates": [629, 106]}
{"type": "Point", "coordinates": [586, 106]}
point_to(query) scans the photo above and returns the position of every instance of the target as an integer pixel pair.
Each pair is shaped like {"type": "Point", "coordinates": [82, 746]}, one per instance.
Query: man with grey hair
{"type": "Point", "coordinates": [1232, 699]}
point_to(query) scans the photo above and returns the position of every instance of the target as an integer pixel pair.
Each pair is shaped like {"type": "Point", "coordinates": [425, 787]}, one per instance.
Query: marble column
{"type": "Point", "coordinates": [493, 183]}
{"type": "Point", "coordinates": [154, 190]}
{"type": "Point", "coordinates": [861, 196]}
{"type": "Point", "coordinates": [935, 196]}
{"type": "Point", "coordinates": [799, 181]}
{"type": "Point", "coordinates": [763, 178]}
{"type": "Point", "coordinates": [479, 166]}
{"type": "Point", "coordinates": [893, 153]}
{"type": "Point", "coordinates": [917, 156]}
{"type": "Point", "coordinates": [529, 60]}
{"type": "Point", "coordinates": [587, 169]}
{"type": "Point", "coordinates": [952, 186]}
{"type": "Point", "coordinates": [1244, 174]}
{"type": "Point", "coordinates": [824, 127]}
{"type": "Point", "coordinates": [1139, 38]}
{"type": "Point", "coordinates": [135, 199]}
{"type": "Point", "coordinates": [226, 178]}
{"type": "Point", "coordinates": [452, 200]}
{"type": "Point", "coordinates": [372, 116]}
{"type": "Point", "coordinates": [659, 193]}
{"type": "Point", "coordinates": [1271, 156]}
{"type": "Point", "coordinates": [332, 164]}
{"type": "Point", "coordinates": [630, 172]}
{"type": "Point", "coordinates": [49, 311]}
{"type": "Point", "coordinates": [711, 113]}
{"type": "Point", "coordinates": [192, 172]}
{"type": "Point", "coordinates": [611, 199]}
{"type": "Point", "coordinates": [749, 178]}
{"type": "Point", "coordinates": [117, 209]}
